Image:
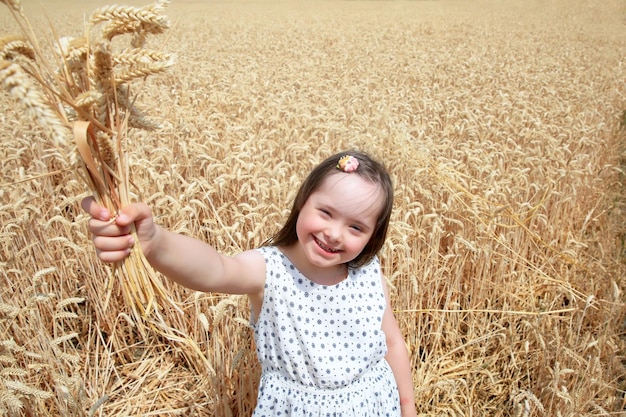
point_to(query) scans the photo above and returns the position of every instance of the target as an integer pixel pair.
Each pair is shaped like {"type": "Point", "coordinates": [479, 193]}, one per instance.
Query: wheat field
{"type": "Point", "coordinates": [503, 124]}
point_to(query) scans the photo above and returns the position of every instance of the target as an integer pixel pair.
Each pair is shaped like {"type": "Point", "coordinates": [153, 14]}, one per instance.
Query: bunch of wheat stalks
{"type": "Point", "coordinates": [85, 92]}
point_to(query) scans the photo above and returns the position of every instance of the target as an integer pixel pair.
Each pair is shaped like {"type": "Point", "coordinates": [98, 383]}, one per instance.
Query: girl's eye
{"type": "Point", "coordinates": [357, 228]}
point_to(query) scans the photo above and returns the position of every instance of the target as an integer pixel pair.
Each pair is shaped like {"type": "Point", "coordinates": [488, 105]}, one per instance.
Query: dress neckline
{"type": "Point", "coordinates": [321, 284]}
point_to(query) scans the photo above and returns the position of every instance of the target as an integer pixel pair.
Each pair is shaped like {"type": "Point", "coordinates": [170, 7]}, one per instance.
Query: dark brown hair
{"type": "Point", "coordinates": [368, 169]}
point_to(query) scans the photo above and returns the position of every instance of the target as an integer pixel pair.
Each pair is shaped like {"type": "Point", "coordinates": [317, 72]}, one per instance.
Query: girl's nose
{"type": "Point", "coordinates": [333, 232]}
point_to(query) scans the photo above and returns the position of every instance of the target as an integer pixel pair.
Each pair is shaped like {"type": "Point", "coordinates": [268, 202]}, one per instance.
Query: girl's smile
{"type": "Point", "coordinates": [324, 247]}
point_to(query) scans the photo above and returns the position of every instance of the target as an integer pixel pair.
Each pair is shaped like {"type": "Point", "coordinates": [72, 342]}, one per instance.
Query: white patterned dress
{"type": "Point", "coordinates": [321, 347]}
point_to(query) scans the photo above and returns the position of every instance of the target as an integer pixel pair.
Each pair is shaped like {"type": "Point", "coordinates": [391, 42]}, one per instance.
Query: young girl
{"type": "Point", "coordinates": [325, 333]}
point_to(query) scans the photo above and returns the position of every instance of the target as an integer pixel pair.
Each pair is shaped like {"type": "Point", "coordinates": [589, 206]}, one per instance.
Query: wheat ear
{"type": "Point", "coordinates": [29, 95]}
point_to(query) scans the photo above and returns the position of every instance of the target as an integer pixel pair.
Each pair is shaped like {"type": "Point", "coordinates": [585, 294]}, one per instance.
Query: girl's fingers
{"type": "Point", "coordinates": [94, 210]}
{"type": "Point", "coordinates": [107, 228]}
{"type": "Point", "coordinates": [137, 212]}
{"type": "Point", "coordinates": [111, 235]}
{"type": "Point", "coordinates": [113, 249]}
{"type": "Point", "coordinates": [113, 256]}
{"type": "Point", "coordinates": [113, 244]}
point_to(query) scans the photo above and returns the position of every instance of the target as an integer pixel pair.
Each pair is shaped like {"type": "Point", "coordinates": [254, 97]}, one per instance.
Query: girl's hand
{"type": "Point", "coordinates": [112, 236]}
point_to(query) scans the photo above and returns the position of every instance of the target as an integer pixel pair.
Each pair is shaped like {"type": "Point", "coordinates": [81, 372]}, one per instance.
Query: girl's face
{"type": "Point", "coordinates": [338, 219]}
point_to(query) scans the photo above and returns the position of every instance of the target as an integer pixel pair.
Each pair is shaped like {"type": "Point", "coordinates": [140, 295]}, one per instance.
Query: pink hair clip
{"type": "Point", "coordinates": [348, 163]}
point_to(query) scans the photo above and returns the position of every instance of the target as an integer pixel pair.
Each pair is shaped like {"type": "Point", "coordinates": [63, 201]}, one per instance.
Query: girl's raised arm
{"type": "Point", "coordinates": [186, 260]}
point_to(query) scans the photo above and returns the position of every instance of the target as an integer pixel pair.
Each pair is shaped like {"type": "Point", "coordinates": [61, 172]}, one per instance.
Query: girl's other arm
{"type": "Point", "coordinates": [186, 260]}
{"type": "Point", "coordinates": [398, 359]}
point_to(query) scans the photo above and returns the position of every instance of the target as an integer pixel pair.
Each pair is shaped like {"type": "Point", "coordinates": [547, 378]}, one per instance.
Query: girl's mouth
{"type": "Point", "coordinates": [324, 247]}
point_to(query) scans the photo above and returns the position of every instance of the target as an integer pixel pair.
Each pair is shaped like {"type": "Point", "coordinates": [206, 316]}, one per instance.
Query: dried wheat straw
{"type": "Point", "coordinates": [13, 372]}
{"type": "Point", "coordinates": [87, 99]}
{"type": "Point", "coordinates": [106, 150]}
{"type": "Point", "coordinates": [496, 148]}
{"type": "Point", "coordinates": [116, 28]}
{"type": "Point", "coordinates": [136, 118]}
{"type": "Point", "coordinates": [89, 86]}
{"type": "Point", "coordinates": [65, 315]}
{"type": "Point", "coordinates": [15, 5]}
{"type": "Point", "coordinates": [141, 70]}
{"type": "Point", "coordinates": [137, 56]}
{"type": "Point", "coordinates": [11, 47]}
{"type": "Point", "coordinates": [97, 405]}
{"type": "Point", "coordinates": [69, 301]}
{"type": "Point", "coordinates": [24, 389]}
{"type": "Point", "coordinates": [31, 98]}
{"type": "Point", "coordinates": [128, 15]}
{"type": "Point", "coordinates": [9, 309]}
{"type": "Point", "coordinates": [75, 52]}
{"type": "Point", "coordinates": [11, 402]}
{"type": "Point", "coordinates": [102, 79]}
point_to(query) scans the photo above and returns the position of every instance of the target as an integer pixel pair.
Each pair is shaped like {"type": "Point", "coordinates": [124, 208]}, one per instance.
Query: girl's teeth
{"type": "Point", "coordinates": [326, 248]}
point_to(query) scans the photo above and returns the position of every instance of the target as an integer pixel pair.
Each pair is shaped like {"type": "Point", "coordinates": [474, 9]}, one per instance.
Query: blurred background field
{"type": "Point", "coordinates": [503, 124]}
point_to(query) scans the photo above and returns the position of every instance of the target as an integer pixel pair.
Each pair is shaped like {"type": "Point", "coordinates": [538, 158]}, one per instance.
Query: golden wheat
{"type": "Point", "coordinates": [99, 135]}
{"type": "Point", "coordinates": [15, 5]}
{"type": "Point", "coordinates": [31, 97]}
{"type": "Point", "coordinates": [501, 128]}
{"type": "Point", "coordinates": [12, 47]}
{"type": "Point", "coordinates": [129, 15]}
